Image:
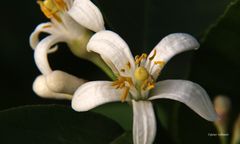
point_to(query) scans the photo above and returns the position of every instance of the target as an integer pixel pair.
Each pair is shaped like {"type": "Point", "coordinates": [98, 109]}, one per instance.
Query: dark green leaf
{"type": "Point", "coordinates": [125, 138]}
{"type": "Point", "coordinates": [55, 125]}
{"type": "Point", "coordinates": [120, 112]}
{"type": "Point", "coordinates": [216, 64]}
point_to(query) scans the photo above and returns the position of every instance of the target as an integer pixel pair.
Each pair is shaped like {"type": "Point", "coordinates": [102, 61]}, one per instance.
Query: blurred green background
{"type": "Point", "coordinates": [142, 24]}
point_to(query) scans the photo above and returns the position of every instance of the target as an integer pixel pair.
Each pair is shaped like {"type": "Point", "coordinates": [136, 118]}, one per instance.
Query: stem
{"type": "Point", "coordinates": [223, 140]}
{"type": "Point", "coordinates": [97, 60]}
{"type": "Point", "coordinates": [78, 48]}
{"type": "Point", "coordinates": [222, 130]}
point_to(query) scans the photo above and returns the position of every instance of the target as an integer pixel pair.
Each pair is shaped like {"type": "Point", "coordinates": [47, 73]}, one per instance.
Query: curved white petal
{"type": "Point", "coordinates": [41, 89]}
{"type": "Point", "coordinates": [62, 82]}
{"type": "Point", "coordinates": [187, 92]}
{"type": "Point", "coordinates": [93, 94]}
{"type": "Point", "coordinates": [170, 46]}
{"type": "Point", "coordinates": [87, 14]}
{"type": "Point", "coordinates": [113, 49]}
{"type": "Point", "coordinates": [144, 123]}
{"type": "Point", "coordinates": [43, 27]}
{"type": "Point", "coordinates": [41, 51]}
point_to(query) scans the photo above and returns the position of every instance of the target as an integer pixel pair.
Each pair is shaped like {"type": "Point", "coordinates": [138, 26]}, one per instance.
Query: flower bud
{"type": "Point", "coordinates": [222, 106]}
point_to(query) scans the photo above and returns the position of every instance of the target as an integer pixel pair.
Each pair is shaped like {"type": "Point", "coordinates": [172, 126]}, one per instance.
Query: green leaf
{"type": "Point", "coordinates": [119, 112]}
{"type": "Point", "coordinates": [216, 65]}
{"type": "Point", "coordinates": [125, 138]}
{"type": "Point", "coordinates": [224, 35]}
{"type": "Point", "coordinates": [55, 125]}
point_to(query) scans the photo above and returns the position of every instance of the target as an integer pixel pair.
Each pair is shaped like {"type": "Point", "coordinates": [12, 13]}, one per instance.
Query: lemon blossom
{"type": "Point", "coordinates": [72, 22]}
{"type": "Point", "coordinates": [137, 84]}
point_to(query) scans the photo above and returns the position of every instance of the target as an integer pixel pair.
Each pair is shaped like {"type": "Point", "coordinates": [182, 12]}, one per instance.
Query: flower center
{"type": "Point", "coordinates": [141, 74]}
{"type": "Point", "coordinates": [141, 82]}
{"type": "Point", "coordinates": [50, 8]}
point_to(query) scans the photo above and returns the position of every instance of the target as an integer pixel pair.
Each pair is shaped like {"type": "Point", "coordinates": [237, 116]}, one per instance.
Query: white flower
{"type": "Point", "coordinates": [57, 85]}
{"type": "Point", "coordinates": [72, 22]}
{"type": "Point", "coordinates": [136, 82]}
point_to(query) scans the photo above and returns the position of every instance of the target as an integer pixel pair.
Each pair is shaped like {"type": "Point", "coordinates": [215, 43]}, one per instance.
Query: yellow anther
{"type": "Point", "coordinates": [150, 86]}
{"type": "Point", "coordinates": [125, 94]}
{"type": "Point", "coordinates": [120, 82]}
{"type": "Point", "coordinates": [50, 8]}
{"type": "Point", "coordinates": [60, 4]}
{"type": "Point", "coordinates": [154, 54]}
{"type": "Point", "coordinates": [47, 12]}
{"type": "Point", "coordinates": [126, 67]}
{"type": "Point", "coordinates": [129, 65]}
{"type": "Point", "coordinates": [122, 70]}
{"type": "Point", "coordinates": [138, 59]}
{"type": "Point", "coordinates": [47, 26]}
{"type": "Point", "coordinates": [141, 74]}
{"type": "Point", "coordinates": [161, 63]}
{"type": "Point", "coordinates": [144, 55]}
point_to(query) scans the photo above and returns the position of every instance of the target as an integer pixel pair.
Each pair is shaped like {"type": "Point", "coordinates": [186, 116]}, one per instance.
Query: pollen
{"type": "Point", "coordinates": [120, 82]}
{"type": "Point", "coordinates": [161, 63]}
{"type": "Point", "coordinates": [50, 8]}
{"type": "Point", "coordinates": [141, 74]}
{"type": "Point", "coordinates": [154, 54]}
{"type": "Point", "coordinates": [150, 86]}
{"type": "Point", "coordinates": [123, 83]}
{"type": "Point", "coordinates": [125, 94]}
{"type": "Point", "coordinates": [138, 59]}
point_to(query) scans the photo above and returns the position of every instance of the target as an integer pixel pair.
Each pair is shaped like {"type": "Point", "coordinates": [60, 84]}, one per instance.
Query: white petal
{"type": "Point", "coordinates": [170, 46]}
{"type": "Point", "coordinates": [41, 28]}
{"type": "Point", "coordinates": [40, 54]}
{"type": "Point", "coordinates": [62, 82]}
{"type": "Point", "coordinates": [93, 94]}
{"type": "Point", "coordinates": [144, 123]}
{"type": "Point", "coordinates": [69, 3]}
{"type": "Point", "coordinates": [41, 89]}
{"type": "Point", "coordinates": [87, 14]}
{"type": "Point", "coordinates": [113, 49]}
{"type": "Point", "coordinates": [187, 92]}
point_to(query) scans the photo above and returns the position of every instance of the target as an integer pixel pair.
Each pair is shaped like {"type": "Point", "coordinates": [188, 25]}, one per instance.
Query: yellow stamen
{"type": "Point", "coordinates": [121, 80]}
{"type": "Point", "coordinates": [161, 63]}
{"type": "Point", "coordinates": [129, 65]}
{"type": "Point", "coordinates": [47, 12]}
{"type": "Point", "coordinates": [125, 94]}
{"type": "Point", "coordinates": [150, 86]}
{"type": "Point", "coordinates": [50, 8]}
{"type": "Point", "coordinates": [47, 26]}
{"type": "Point", "coordinates": [60, 4]}
{"type": "Point", "coordinates": [154, 54]}
{"type": "Point", "coordinates": [122, 70]}
{"type": "Point", "coordinates": [138, 59]}
{"type": "Point", "coordinates": [120, 84]}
